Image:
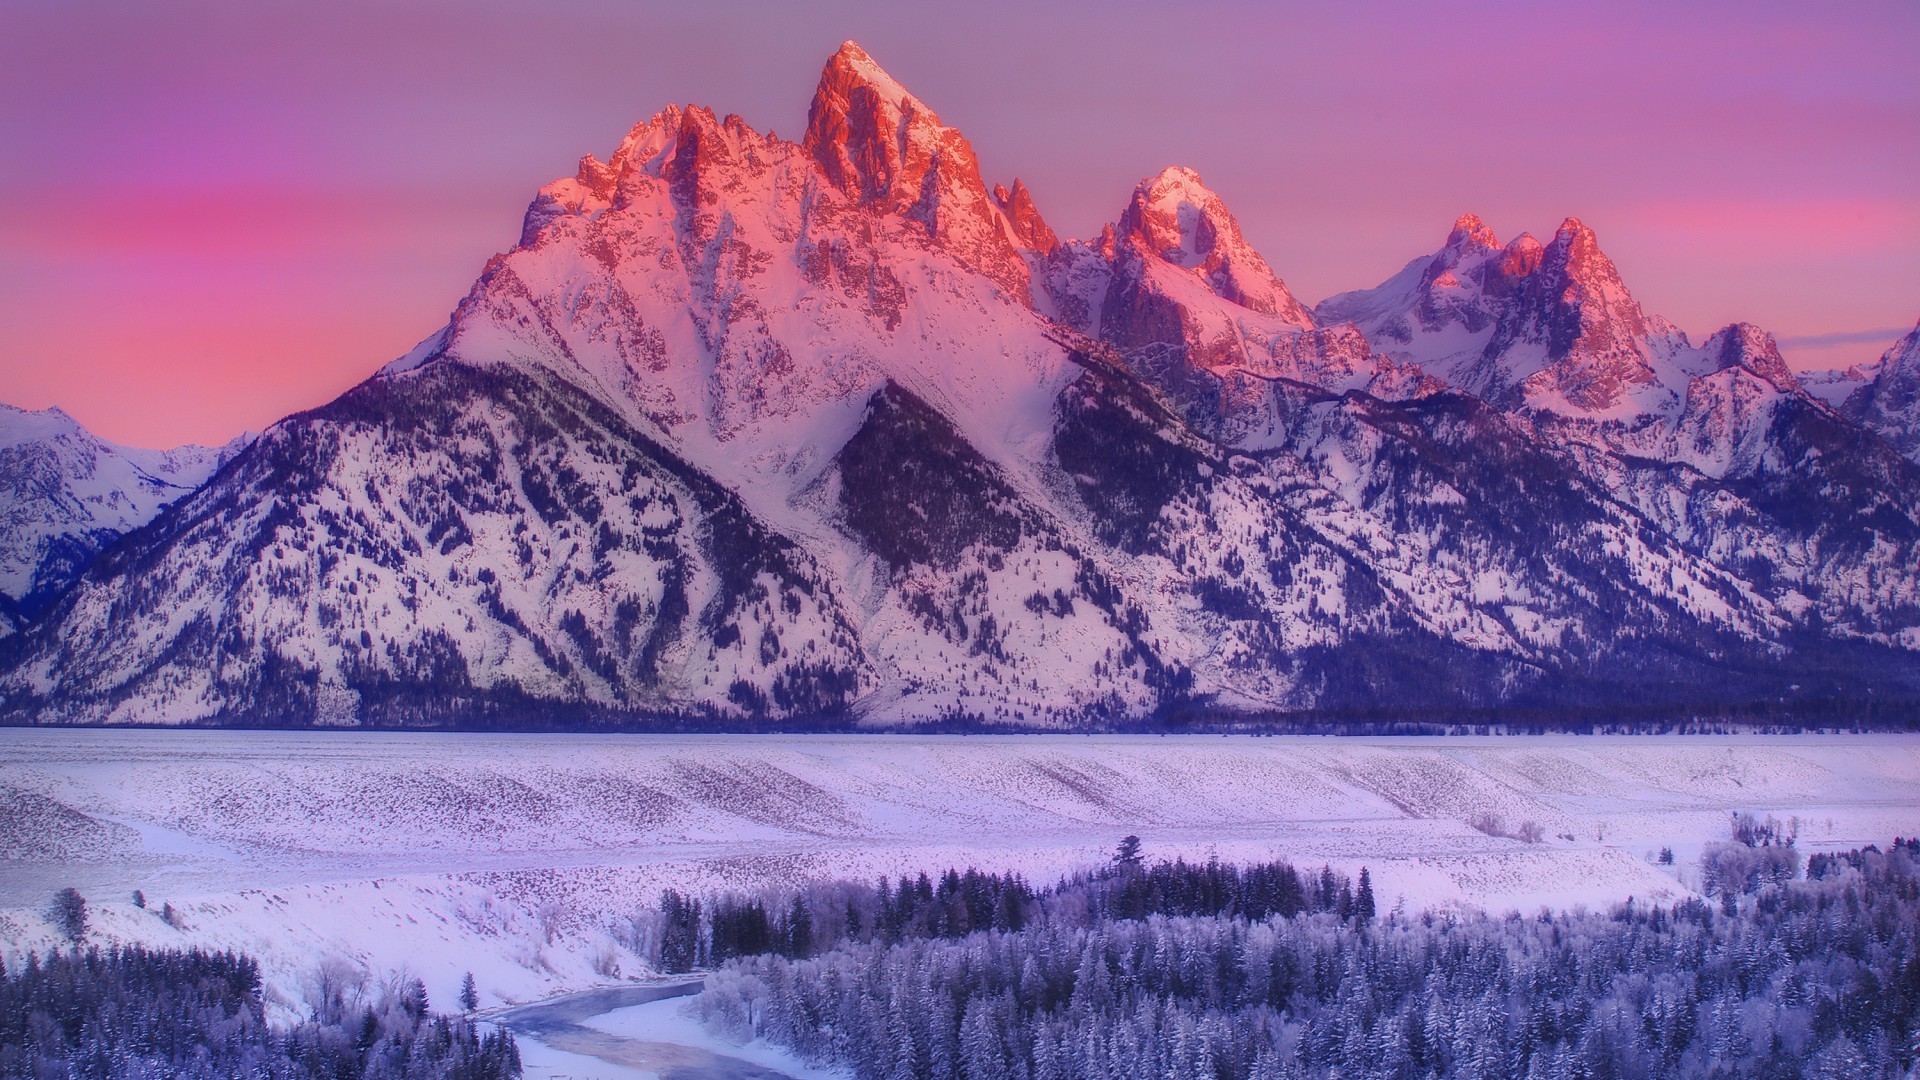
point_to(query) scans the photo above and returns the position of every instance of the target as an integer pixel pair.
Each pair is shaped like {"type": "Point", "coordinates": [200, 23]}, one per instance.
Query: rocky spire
{"type": "Point", "coordinates": [873, 139]}
{"type": "Point", "coordinates": [1024, 218]}
{"type": "Point", "coordinates": [887, 150]}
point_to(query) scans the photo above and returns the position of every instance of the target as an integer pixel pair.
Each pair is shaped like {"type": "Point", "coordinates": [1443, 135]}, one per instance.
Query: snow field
{"type": "Point", "coordinates": [523, 858]}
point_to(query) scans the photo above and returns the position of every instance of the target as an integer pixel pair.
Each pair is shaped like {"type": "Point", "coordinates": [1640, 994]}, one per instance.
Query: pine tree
{"type": "Point", "coordinates": [1363, 904]}
{"type": "Point", "coordinates": [799, 931]}
{"type": "Point", "coordinates": [70, 914]}
{"type": "Point", "coordinates": [469, 994]}
{"type": "Point", "coordinates": [679, 932]}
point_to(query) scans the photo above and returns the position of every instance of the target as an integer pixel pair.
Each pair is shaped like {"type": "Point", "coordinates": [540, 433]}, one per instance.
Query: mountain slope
{"type": "Point", "coordinates": [449, 542]}
{"type": "Point", "coordinates": [1890, 403]}
{"type": "Point", "coordinates": [65, 494]}
{"type": "Point", "coordinates": [750, 431]}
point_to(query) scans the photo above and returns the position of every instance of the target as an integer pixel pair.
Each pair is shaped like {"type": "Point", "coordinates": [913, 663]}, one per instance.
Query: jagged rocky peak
{"type": "Point", "coordinates": [885, 149]}
{"type": "Point", "coordinates": [1030, 230]}
{"type": "Point", "coordinates": [1175, 218]}
{"type": "Point", "coordinates": [66, 493]}
{"type": "Point", "coordinates": [1471, 234]}
{"type": "Point", "coordinates": [1593, 329]}
{"type": "Point", "coordinates": [1469, 241]}
{"type": "Point", "coordinates": [1592, 284]}
{"type": "Point", "coordinates": [1522, 256]}
{"type": "Point", "coordinates": [870, 136]}
{"type": "Point", "coordinates": [688, 146]}
{"type": "Point", "coordinates": [1574, 256]}
{"type": "Point", "coordinates": [1744, 345]}
{"type": "Point", "coordinates": [667, 142]}
{"type": "Point", "coordinates": [1901, 363]}
{"type": "Point", "coordinates": [1529, 324]}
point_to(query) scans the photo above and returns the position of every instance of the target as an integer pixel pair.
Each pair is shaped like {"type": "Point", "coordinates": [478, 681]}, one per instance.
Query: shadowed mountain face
{"type": "Point", "coordinates": [747, 431]}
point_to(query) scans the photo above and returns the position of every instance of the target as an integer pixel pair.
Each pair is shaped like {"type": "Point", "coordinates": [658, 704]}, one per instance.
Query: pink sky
{"type": "Point", "coordinates": [212, 214]}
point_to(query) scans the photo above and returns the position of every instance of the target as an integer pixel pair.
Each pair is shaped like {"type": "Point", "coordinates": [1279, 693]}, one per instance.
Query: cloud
{"type": "Point", "coordinates": [1843, 337]}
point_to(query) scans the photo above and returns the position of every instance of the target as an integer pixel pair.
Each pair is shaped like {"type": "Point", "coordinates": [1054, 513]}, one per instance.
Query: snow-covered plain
{"type": "Point", "coordinates": [522, 857]}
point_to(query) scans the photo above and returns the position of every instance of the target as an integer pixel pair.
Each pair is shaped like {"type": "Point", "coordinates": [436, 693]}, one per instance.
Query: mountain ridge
{"type": "Point", "coordinates": [750, 431]}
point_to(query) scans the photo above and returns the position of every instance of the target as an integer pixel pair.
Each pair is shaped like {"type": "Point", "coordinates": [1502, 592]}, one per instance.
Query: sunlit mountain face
{"type": "Point", "coordinates": [749, 431]}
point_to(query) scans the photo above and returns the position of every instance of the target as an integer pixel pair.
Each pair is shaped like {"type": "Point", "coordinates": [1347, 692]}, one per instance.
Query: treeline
{"type": "Point", "coordinates": [1817, 977]}
{"type": "Point", "coordinates": [129, 1014]}
{"type": "Point", "coordinates": [686, 933]}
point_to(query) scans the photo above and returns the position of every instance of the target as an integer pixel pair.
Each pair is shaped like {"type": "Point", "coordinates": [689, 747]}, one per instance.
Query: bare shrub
{"type": "Point", "coordinates": [1528, 831]}
{"type": "Point", "coordinates": [1769, 832]}
{"type": "Point", "coordinates": [336, 988]}
{"type": "Point", "coordinates": [1488, 822]}
{"type": "Point", "coordinates": [606, 963]}
{"type": "Point", "coordinates": [552, 918]}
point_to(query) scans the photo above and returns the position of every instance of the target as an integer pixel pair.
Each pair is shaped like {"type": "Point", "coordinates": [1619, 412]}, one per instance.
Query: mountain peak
{"type": "Point", "coordinates": [1579, 242]}
{"type": "Point", "coordinates": [866, 131]}
{"type": "Point", "coordinates": [1744, 345]}
{"type": "Point", "coordinates": [1175, 218]}
{"type": "Point", "coordinates": [1470, 232]}
{"type": "Point", "coordinates": [850, 65]}
{"type": "Point", "coordinates": [1890, 403]}
{"type": "Point", "coordinates": [1523, 254]}
{"type": "Point", "coordinates": [884, 149]}
{"type": "Point", "coordinates": [19, 425]}
{"type": "Point", "coordinates": [1023, 217]}
{"type": "Point", "coordinates": [1177, 177]}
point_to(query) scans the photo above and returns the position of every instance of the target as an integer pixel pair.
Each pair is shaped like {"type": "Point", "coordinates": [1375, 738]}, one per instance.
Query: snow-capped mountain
{"type": "Point", "coordinates": [66, 493]}
{"type": "Point", "coordinates": [1719, 446]}
{"type": "Point", "coordinates": [1177, 292]}
{"type": "Point", "coordinates": [1547, 326]}
{"type": "Point", "coordinates": [750, 430]}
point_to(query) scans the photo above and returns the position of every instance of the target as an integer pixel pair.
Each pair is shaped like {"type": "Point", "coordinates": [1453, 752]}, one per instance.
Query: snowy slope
{"type": "Point", "coordinates": [524, 858]}
{"type": "Point", "coordinates": [66, 493]}
{"type": "Point", "coordinates": [1719, 447]}
{"type": "Point", "coordinates": [744, 430]}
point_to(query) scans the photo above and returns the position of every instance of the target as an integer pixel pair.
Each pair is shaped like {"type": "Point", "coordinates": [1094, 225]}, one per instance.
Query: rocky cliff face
{"type": "Point", "coordinates": [1890, 402]}
{"type": "Point", "coordinates": [748, 431]}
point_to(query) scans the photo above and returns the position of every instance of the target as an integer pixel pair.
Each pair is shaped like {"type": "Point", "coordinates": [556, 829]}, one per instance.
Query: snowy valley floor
{"type": "Point", "coordinates": [521, 858]}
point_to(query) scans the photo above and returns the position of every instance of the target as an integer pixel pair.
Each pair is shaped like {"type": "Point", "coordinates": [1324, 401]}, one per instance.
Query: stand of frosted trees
{"type": "Point", "coordinates": [131, 1013]}
{"type": "Point", "coordinates": [1183, 971]}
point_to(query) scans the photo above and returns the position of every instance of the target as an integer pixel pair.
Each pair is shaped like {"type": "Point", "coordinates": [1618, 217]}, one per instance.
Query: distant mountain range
{"type": "Point", "coordinates": [753, 432]}
{"type": "Point", "coordinates": [65, 494]}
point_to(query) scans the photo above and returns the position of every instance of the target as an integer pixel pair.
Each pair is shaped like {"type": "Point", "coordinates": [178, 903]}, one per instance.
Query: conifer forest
{"type": "Point", "coordinates": [1265, 972]}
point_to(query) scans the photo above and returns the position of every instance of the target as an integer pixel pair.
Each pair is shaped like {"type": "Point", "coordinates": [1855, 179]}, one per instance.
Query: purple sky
{"type": "Point", "coordinates": [214, 214]}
